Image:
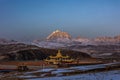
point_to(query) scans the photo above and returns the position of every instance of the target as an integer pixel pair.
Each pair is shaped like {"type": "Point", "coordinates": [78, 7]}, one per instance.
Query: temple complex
{"type": "Point", "coordinates": [59, 58]}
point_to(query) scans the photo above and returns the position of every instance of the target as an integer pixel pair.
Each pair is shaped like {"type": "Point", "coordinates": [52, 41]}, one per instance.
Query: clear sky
{"type": "Point", "coordinates": [33, 19]}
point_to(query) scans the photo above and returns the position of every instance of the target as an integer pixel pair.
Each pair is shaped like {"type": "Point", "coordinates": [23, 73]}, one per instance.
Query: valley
{"type": "Point", "coordinates": [90, 57]}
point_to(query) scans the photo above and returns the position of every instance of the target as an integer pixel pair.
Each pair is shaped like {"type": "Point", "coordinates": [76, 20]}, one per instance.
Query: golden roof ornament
{"type": "Point", "coordinates": [59, 54]}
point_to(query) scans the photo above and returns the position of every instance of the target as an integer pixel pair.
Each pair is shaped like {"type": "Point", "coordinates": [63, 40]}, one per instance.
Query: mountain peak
{"type": "Point", "coordinates": [57, 30]}
{"type": "Point", "coordinates": [57, 34]}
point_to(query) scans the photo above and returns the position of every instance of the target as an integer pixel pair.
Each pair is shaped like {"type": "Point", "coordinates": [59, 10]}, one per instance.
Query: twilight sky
{"type": "Point", "coordinates": [34, 19]}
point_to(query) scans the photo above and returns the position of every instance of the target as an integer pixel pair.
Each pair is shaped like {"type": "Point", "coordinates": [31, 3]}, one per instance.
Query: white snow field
{"type": "Point", "coordinates": [110, 75]}
{"type": "Point", "coordinates": [58, 73]}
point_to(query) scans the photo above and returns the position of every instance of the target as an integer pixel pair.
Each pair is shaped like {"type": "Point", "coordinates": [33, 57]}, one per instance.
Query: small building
{"type": "Point", "coordinates": [22, 67]}
{"type": "Point", "coordinates": [59, 59]}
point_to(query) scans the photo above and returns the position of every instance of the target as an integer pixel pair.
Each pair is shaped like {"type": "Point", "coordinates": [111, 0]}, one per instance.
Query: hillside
{"type": "Point", "coordinates": [23, 52]}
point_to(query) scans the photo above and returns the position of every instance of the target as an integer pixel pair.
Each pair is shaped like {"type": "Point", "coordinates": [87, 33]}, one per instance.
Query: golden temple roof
{"type": "Point", "coordinates": [59, 55]}
{"type": "Point", "coordinates": [58, 58]}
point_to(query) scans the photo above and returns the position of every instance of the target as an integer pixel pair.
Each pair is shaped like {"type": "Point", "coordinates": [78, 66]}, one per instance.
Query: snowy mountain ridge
{"type": "Point", "coordinates": [60, 36]}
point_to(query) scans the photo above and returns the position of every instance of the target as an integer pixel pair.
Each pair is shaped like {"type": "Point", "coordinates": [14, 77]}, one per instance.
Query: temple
{"type": "Point", "coordinates": [59, 58]}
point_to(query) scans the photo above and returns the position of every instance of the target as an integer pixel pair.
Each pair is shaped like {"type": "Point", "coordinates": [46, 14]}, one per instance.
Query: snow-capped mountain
{"type": "Point", "coordinates": [59, 36]}
{"type": "Point", "coordinates": [56, 39]}
{"type": "Point", "coordinates": [60, 39]}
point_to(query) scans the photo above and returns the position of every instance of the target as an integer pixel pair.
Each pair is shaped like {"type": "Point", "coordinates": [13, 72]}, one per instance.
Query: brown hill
{"type": "Point", "coordinates": [39, 54]}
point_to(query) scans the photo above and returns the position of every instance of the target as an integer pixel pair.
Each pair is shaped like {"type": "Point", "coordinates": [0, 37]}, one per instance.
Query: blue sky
{"type": "Point", "coordinates": [32, 19]}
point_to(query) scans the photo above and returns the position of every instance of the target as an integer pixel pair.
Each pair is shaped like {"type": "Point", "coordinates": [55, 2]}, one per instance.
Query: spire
{"type": "Point", "coordinates": [59, 54]}
{"type": "Point", "coordinates": [58, 51]}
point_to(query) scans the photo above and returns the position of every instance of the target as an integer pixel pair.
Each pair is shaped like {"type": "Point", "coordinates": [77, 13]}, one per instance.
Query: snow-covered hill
{"type": "Point", "coordinates": [48, 44]}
